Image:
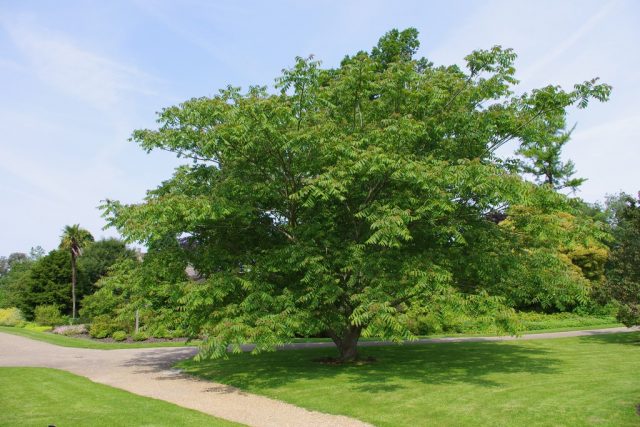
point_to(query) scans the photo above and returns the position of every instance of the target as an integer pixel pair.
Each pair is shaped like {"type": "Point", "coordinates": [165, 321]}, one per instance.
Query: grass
{"type": "Point", "coordinates": [532, 322]}
{"type": "Point", "coordinates": [574, 328]}
{"type": "Point", "coordinates": [570, 381]}
{"type": "Point", "coordinates": [484, 334]}
{"type": "Point", "coordinates": [43, 396]}
{"type": "Point", "coordinates": [65, 341]}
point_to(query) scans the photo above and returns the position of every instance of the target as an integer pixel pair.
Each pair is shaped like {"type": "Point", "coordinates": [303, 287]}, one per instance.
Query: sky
{"type": "Point", "coordinates": [77, 77]}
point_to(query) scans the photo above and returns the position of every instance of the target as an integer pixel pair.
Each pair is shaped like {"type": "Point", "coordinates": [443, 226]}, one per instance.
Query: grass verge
{"type": "Point", "coordinates": [65, 341]}
{"type": "Point", "coordinates": [571, 381]}
{"type": "Point", "coordinates": [61, 340]}
{"type": "Point", "coordinates": [43, 396]}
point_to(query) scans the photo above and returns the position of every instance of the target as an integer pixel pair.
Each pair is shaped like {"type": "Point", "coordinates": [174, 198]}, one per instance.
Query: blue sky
{"type": "Point", "coordinates": [76, 77]}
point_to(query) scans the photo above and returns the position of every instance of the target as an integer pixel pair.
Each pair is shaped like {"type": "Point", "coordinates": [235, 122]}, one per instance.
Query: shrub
{"type": "Point", "coordinates": [32, 326]}
{"type": "Point", "coordinates": [49, 315]}
{"type": "Point", "coordinates": [159, 331]}
{"type": "Point", "coordinates": [70, 330]}
{"type": "Point", "coordinates": [140, 336]}
{"type": "Point", "coordinates": [178, 333]}
{"type": "Point", "coordinates": [103, 326]}
{"type": "Point", "coordinates": [11, 317]}
{"type": "Point", "coordinates": [119, 335]}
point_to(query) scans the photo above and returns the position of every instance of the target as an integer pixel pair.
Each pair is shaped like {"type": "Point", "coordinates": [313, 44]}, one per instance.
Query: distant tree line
{"type": "Point", "coordinates": [39, 278]}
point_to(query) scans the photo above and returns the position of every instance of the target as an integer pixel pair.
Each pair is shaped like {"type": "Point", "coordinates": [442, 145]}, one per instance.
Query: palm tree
{"type": "Point", "coordinates": [74, 239]}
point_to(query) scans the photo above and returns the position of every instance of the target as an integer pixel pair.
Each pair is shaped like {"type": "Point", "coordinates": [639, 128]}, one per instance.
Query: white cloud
{"type": "Point", "coordinates": [569, 42]}
{"type": "Point", "coordinates": [61, 63]}
{"type": "Point", "coordinates": [11, 65]}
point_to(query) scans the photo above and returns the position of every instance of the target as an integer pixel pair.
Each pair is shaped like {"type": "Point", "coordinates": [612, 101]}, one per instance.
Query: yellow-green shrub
{"type": "Point", "coordinates": [119, 335]}
{"type": "Point", "coordinates": [103, 326]}
{"type": "Point", "coordinates": [49, 315]}
{"type": "Point", "coordinates": [11, 316]}
{"type": "Point", "coordinates": [140, 336]}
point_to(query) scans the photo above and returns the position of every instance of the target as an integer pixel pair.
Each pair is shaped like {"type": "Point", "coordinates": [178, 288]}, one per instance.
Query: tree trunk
{"type": "Point", "coordinates": [73, 286]}
{"type": "Point", "coordinates": [347, 342]}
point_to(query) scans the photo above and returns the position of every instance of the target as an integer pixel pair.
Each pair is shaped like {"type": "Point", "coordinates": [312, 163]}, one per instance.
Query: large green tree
{"type": "Point", "coordinates": [143, 293]}
{"type": "Point", "coordinates": [74, 239]}
{"type": "Point", "coordinates": [14, 271]}
{"type": "Point", "coordinates": [623, 269]}
{"type": "Point", "coordinates": [338, 203]}
{"type": "Point", "coordinates": [46, 282]}
{"type": "Point", "coordinates": [98, 257]}
{"type": "Point", "coordinates": [13, 283]}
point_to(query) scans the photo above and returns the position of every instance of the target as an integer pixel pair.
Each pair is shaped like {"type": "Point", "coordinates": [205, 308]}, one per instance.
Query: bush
{"type": "Point", "coordinates": [32, 326]}
{"type": "Point", "coordinates": [11, 317]}
{"type": "Point", "coordinates": [49, 315]}
{"type": "Point", "coordinates": [140, 336]}
{"type": "Point", "coordinates": [159, 331]}
{"type": "Point", "coordinates": [119, 335]}
{"type": "Point", "coordinates": [103, 326]}
{"type": "Point", "coordinates": [69, 330]}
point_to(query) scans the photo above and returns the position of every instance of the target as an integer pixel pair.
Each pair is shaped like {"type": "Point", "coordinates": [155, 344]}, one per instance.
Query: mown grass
{"type": "Point", "coordinates": [556, 382]}
{"type": "Point", "coordinates": [564, 321]}
{"type": "Point", "coordinates": [483, 334]}
{"type": "Point", "coordinates": [43, 396]}
{"type": "Point", "coordinates": [65, 341]}
{"type": "Point", "coordinates": [533, 323]}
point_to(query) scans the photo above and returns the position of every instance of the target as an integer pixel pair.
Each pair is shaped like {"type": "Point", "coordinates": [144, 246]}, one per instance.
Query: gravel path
{"type": "Point", "coordinates": [148, 372]}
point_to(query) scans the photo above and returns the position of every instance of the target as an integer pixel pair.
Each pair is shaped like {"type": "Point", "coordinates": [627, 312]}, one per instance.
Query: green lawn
{"type": "Point", "coordinates": [43, 396]}
{"type": "Point", "coordinates": [86, 343]}
{"type": "Point", "coordinates": [534, 323]}
{"type": "Point", "coordinates": [557, 382]}
{"type": "Point", "coordinates": [486, 334]}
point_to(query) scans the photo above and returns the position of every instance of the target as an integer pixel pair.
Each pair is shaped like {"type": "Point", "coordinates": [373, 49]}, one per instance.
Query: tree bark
{"type": "Point", "coordinates": [73, 285]}
{"type": "Point", "coordinates": [347, 342]}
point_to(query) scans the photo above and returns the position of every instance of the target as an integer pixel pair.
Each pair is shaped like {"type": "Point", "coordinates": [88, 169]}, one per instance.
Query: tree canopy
{"type": "Point", "coordinates": [623, 278]}
{"type": "Point", "coordinates": [351, 196]}
{"type": "Point", "coordinates": [98, 257]}
{"type": "Point", "coordinates": [542, 159]}
{"type": "Point", "coordinates": [46, 282]}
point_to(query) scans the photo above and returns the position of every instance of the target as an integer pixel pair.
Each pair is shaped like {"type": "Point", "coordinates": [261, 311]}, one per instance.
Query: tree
{"type": "Point", "coordinates": [14, 270]}
{"type": "Point", "coordinates": [36, 253]}
{"type": "Point", "coordinates": [6, 263]}
{"type": "Point", "coordinates": [542, 158]}
{"type": "Point", "coordinates": [74, 239]}
{"type": "Point", "coordinates": [98, 257]}
{"type": "Point", "coordinates": [45, 282]}
{"type": "Point", "coordinates": [623, 269]}
{"type": "Point", "coordinates": [144, 291]}
{"type": "Point", "coordinates": [12, 284]}
{"type": "Point", "coordinates": [337, 204]}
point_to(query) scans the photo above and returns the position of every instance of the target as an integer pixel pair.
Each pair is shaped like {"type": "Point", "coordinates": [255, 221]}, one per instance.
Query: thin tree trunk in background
{"type": "Point", "coordinates": [137, 319]}
{"type": "Point", "coordinates": [73, 285]}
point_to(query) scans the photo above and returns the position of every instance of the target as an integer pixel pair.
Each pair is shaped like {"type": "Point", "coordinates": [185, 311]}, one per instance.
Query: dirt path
{"type": "Point", "coordinates": [148, 372]}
